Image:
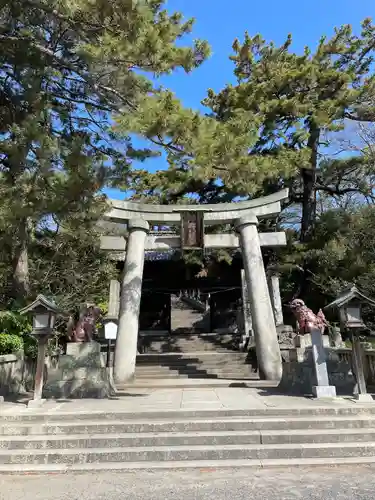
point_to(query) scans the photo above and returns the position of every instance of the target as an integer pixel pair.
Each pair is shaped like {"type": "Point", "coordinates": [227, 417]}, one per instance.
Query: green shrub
{"type": "Point", "coordinates": [19, 328]}
{"type": "Point", "coordinates": [15, 324]}
{"type": "Point", "coordinates": [10, 343]}
{"type": "Point", "coordinates": [30, 346]}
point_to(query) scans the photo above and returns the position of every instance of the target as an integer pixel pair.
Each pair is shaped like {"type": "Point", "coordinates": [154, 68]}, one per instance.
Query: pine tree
{"type": "Point", "coordinates": [207, 157]}
{"type": "Point", "coordinates": [66, 68]}
{"type": "Point", "coordinates": [301, 100]}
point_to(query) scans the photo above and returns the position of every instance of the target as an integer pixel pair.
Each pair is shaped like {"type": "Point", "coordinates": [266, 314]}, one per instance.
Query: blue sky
{"type": "Point", "coordinates": [220, 22]}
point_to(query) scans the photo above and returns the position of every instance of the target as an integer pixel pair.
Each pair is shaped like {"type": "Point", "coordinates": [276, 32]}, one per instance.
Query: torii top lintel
{"type": "Point", "coordinates": [220, 213]}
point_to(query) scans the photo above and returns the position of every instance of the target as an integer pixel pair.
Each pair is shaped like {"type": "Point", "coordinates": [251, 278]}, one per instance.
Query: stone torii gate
{"type": "Point", "coordinates": [192, 220]}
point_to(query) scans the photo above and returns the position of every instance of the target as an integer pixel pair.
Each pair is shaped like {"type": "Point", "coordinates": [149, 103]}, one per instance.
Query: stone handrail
{"type": "Point", "coordinates": [345, 356]}
{"type": "Point", "coordinates": [195, 304]}
{"type": "Point", "coordinates": [8, 358]}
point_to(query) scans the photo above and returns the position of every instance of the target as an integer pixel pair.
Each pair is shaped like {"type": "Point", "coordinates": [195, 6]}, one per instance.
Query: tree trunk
{"type": "Point", "coordinates": [309, 189]}
{"type": "Point", "coordinates": [21, 285]}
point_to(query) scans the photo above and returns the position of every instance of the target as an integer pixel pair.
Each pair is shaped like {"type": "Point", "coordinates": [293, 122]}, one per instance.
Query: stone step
{"type": "Point", "coordinates": [201, 382]}
{"type": "Point", "coordinates": [69, 425]}
{"type": "Point", "coordinates": [192, 364]}
{"type": "Point", "coordinates": [325, 412]}
{"type": "Point", "coordinates": [191, 357]}
{"type": "Point", "coordinates": [79, 441]}
{"type": "Point", "coordinates": [196, 371]}
{"type": "Point", "coordinates": [175, 349]}
{"type": "Point", "coordinates": [182, 453]}
{"type": "Point", "coordinates": [201, 339]}
{"type": "Point", "coordinates": [194, 348]}
{"type": "Point", "coordinates": [193, 361]}
{"type": "Point", "coordinates": [194, 354]}
{"type": "Point", "coordinates": [199, 376]}
{"type": "Point", "coordinates": [208, 341]}
{"type": "Point", "coordinates": [193, 369]}
{"type": "Point", "coordinates": [195, 337]}
{"type": "Point", "coordinates": [201, 335]}
{"type": "Point", "coordinates": [203, 465]}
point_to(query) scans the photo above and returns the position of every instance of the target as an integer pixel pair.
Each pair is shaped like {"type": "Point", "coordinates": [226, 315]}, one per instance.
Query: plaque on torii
{"type": "Point", "coordinates": [192, 230]}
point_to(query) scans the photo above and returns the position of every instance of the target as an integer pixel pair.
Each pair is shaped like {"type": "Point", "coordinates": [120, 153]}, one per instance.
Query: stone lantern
{"type": "Point", "coordinates": [44, 315]}
{"type": "Point", "coordinates": [348, 306]}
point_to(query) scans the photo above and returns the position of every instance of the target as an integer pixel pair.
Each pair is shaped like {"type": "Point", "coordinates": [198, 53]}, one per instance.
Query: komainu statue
{"type": "Point", "coordinates": [82, 328]}
{"type": "Point", "coordinates": [307, 320]}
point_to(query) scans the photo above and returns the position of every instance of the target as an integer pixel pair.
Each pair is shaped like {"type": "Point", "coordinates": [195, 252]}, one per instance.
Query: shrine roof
{"type": "Point", "coordinates": [347, 296]}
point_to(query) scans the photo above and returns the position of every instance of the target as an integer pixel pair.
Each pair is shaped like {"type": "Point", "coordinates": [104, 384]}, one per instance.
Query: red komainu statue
{"type": "Point", "coordinates": [306, 318]}
{"type": "Point", "coordinates": [82, 329]}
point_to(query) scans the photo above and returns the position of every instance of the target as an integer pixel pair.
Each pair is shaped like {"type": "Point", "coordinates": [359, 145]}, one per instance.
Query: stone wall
{"type": "Point", "coordinates": [298, 373]}
{"type": "Point", "coordinates": [16, 374]}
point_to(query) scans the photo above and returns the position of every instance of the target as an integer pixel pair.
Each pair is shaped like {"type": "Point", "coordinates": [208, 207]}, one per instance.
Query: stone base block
{"type": "Point", "coordinates": [36, 403]}
{"type": "Point", "coordinates": [81, 373]}
{"type": "Point", "coordinates": [78, 389]}
{"type": "Point", "coordinates": [285, 335]}
{"type": "Point", "coordinates": [303, 341]}
{"type": "Point", "coordinates": [1, 399]}
{"type": "Point", "coordinates": [364, 398]}
{"type": "Point", "coordinates": [324, 391]}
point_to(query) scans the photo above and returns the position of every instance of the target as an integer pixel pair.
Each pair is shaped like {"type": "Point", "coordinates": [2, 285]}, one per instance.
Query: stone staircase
{"type": "Point", "coordinates": [191, 343]}
{"type": "Point", "coordinates": [189, 353]}
{"type": "Point", "coordinates": [194, 356]}
{"type": "Point", "coordinates": [198, 365]}
{"type": "Point", "coordinates": [187, 319]}
{"type": "Point", "coordinates": [98, 440]}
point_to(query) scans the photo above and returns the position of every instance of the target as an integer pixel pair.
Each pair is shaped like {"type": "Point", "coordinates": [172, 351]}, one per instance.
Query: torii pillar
{"type": "Point", "coordinates": [130, 301]}
{"type": "Point", "coordinates": [267, 345]}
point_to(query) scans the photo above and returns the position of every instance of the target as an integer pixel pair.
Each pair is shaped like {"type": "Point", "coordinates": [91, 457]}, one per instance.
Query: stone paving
{"type": "Point", "coordinates": [345, 483]}
{"type": "Point", "coordinates": [219, 398]}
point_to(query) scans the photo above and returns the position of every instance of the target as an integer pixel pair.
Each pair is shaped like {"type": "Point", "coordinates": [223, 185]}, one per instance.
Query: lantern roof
{"type": "Point", "coordinates": [347, 295]}
{"type": "Point", "coordinates": [41, 302]}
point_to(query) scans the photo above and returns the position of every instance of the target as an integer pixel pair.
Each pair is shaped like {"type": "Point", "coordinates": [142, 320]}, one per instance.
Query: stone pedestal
{"type": "Point", "coordinates": [303, 341]}
{"type": "Point", "coordinates": [130, 301]}
{"type": "Point", "coordinates": [267, 346]}
{"type": "Point", "coordinates": [364, 398]}
{"type": "Point", "coordinates": [323, 389]}
{"type": "Point", "coordinates": [81, 373]}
